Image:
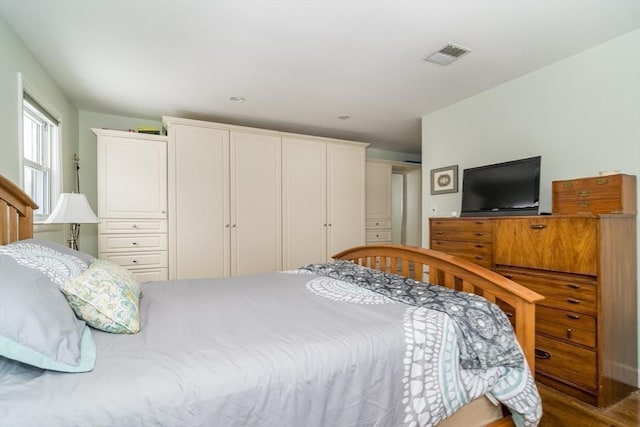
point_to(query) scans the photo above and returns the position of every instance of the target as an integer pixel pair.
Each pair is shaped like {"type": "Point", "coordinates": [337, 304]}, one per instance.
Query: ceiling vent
{"type": "Point", "coordinates": [447, 54]}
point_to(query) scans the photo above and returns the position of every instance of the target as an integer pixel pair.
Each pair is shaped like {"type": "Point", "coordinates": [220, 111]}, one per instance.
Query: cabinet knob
{"type": "Point", "coordinates": [569, 331]}
{"type": "Point", "coordinates": [377, 223]}
{"type": "Point", "coordinates": [134, 243]}
{"type": "Point", "coordinates": [234, 225]}
{"type": "Point", "coordinates": [542, 354]}
{"type": "Point", "coordinates": [324, 225]}
{"type": "Point", "coordinates": [330, 224]}
{"type": "Point", "coordinates": [134, 226]}
{"type": "Point", "coordinates": [135, 261]}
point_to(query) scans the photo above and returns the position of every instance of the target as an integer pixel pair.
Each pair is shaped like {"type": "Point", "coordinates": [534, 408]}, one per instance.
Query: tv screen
{"type": "Point", "coordinates": [509, 188]}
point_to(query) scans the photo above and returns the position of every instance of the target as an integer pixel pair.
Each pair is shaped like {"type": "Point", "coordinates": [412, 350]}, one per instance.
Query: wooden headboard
{"type": "Point", "coordinates": [16, 212]}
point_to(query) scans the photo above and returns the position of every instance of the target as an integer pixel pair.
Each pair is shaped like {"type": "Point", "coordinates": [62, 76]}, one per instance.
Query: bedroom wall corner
{"type": "Point", "coordinates": [580, 114]}
{"type": "Point", "coordinates": [17, 58]}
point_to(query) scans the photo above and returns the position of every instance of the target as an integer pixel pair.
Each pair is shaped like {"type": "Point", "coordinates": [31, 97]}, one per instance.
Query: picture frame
{"type": "Point", "coordinates": [444, 180]}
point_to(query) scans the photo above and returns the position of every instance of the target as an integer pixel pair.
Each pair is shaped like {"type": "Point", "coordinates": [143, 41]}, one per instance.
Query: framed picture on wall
{"type": "Point", "coordinates": [444, 180]}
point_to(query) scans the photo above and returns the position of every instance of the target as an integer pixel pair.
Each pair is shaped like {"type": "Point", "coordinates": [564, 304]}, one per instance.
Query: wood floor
{"type": "Point", "coordinates": [560, 410]}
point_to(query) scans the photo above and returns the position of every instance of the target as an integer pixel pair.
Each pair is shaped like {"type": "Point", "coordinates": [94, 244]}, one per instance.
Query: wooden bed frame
{"type": "Point", "coordinates": [16, 219]}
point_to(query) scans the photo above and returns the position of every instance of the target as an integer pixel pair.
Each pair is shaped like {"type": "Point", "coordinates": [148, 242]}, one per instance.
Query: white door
{"type": "Point", "coordinates": [345, 196]}
{"type": "Point", "coordinates": [304, 207]}
{"type": "Point", "coordinates": [378, 190]}
{"type": "Point", "coordinates": [199, 188]}
{"type": "Point", "coordinates": [132, 177]}
{"type": "Point", "coordinates": [256, 212]}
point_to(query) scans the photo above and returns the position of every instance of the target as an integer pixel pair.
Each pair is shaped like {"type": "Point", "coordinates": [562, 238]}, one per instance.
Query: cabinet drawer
{"type": "Point", "coordinates": [132, 226]}
{"type": "Point", "coordinates": [151, 275]}
{"type": "Point", "coordinates": [460, 224]}
{"type": "Point", "coordinates": [478, 252]}
{"type": "Point", "coordinates": [568, 362]}
{"type": "Point", "coordinates": [570, 326]}
{"type": "Point", "coordinates": [378, 223]}
{"type": "Point", "coordinates": [557, 244]}
{"type": "Point", "coordinates": [562, 291]}
{"type": "Point", "coordinates": [462, 235]}
{"type": "Point", "coordinates": [595, 195]}
{"type": "Point", "coordinates": [137, 260]}
{"type": "Point", "coordinates": [378, 235]}
{"type": "Point", "coordinates": [132, 242]}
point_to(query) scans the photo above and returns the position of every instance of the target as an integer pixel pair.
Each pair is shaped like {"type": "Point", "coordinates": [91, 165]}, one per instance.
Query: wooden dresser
{"type": "Point", "coordinates": [585, 266]}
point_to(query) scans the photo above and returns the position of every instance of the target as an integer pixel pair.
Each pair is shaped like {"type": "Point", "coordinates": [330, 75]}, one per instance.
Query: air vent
{"type": "Point", "coordinates": [447, 54]}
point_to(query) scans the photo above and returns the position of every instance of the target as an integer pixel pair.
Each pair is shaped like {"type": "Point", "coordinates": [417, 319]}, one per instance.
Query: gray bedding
{"type": "Point", "coordinates": [277, 349]}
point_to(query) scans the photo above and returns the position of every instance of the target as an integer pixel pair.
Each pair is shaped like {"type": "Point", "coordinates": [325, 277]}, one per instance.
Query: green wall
{"type": "Point", "coordinates": [16, 58]}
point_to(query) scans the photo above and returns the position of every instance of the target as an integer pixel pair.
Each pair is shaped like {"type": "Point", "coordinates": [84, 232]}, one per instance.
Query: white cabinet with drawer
{"type": "Point", "coordinates": [132, 202]}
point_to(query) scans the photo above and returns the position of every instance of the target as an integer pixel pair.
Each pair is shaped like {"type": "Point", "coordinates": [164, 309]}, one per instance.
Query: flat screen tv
{"type": "Point", "coordinates": [501, 189]}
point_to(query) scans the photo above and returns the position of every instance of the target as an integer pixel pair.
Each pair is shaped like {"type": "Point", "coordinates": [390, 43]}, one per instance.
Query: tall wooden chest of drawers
{"type": "Point", "coordinates": [615, 194]}
{"type": "Point", "coordinates": [585, 266]}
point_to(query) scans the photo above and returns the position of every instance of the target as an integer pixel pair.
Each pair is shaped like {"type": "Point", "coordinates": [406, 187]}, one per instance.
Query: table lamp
{"type": "Point", "coordinates": [73, 209]}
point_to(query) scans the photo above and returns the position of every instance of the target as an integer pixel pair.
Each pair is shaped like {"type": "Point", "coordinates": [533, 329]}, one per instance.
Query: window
{"type": "Point", "coordinates": [40, 156]}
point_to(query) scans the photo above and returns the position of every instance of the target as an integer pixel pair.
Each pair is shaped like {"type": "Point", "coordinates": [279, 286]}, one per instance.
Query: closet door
{"type": "Point", "coordinates": [304, 207]}
{"type": "Point", "coordinates": [256, 197]}
{"type": "Point", "coordinates": [345, 196]}
{"type": "Point", "coordinates": [199, 192]}
{"type": "Point", "coordinates": [132, 176]}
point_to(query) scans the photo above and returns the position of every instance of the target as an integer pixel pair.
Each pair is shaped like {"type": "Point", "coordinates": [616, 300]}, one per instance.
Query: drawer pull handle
{"type": "Point", "coordinates": [508, 313]}
{"type": "Point", "coordinates": [439, 232]}
{"type": "Point", "coordinates": [567, 184]}
{"type": "Point", "coordinates": [438, 222]}
{"type": "Point", "coordinates": [541, 354]}
{"type": "Point", "coordinates": [602, 181]}
{"type": "Point", "coordinates": [134, 226]}
{"type": "Point", "coordinates": [584, 193]}
{"type": "Point", "coordinates": [573, 301]}
{"type": "Point", "coordinates": [569, 330]}
{"type": "Point", "coordinates": [479, 222]}
{"type": "Point", "coordinates": [584, 204]}
{"type": "Point", "coordinates": [538, 226]}
{"type": "Point", "coordinates": [134, 261]}
{"type": "Point", "coordinates": [377, 223]}
{"type": "Point", "coordinates": [377, 235]}
{"type": "Point", "coordinates": [508, 276]}
{"type": "Point", "coordinates": [479, 234]}
{"type": "Point", "coordinates": [479, 246]}
{"type": "Point", "coordinates": [573, 316]}
{"type": "Point", "coordinates": [479, 257]}
{"type": "Point", "coordinates": [439, 242]}
{"type": "Point", "coordinates": [134, 243]}
{"type": "Point", "coordinates": [573, 286]}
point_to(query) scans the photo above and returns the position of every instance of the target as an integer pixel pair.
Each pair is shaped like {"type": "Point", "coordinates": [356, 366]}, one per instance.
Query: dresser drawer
{"type": "Point", "coordinates": [478, 252]}
{"type": "Point", "coordinates": [132, 242]}
{"type": "Point", "coordinates": [568, 362]}
{"type": "Point", "coordinates": [557, 244]}
{"type": "Point", "coordinates": [378, 235]}
{"type": "Point", "coordinates": [136, 260]}
{"type": "Point", "coordinates": [151, 274]}
{"type": "Point", "coordinates": [462, 235]}
{"type": "Point", "coordinates": [562, 291]}
{"type": "Point", "coordinates": [378, 223]}
{"type": "Point", "coordinates": [595, 195]}
{"type": "Point", "coordinates": [131, 226]}
{"type": "Point", "coordinates": [461, 224]}
{"type": "Point", "coordinates": [574, 327]}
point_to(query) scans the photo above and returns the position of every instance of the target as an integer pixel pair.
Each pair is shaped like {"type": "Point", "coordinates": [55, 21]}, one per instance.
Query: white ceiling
{"type": "Point", "coordinates": [301, 64]}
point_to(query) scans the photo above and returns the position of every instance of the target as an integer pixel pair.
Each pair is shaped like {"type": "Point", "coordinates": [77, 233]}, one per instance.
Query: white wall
{"type": "Point", "coordinates": [581, 114]}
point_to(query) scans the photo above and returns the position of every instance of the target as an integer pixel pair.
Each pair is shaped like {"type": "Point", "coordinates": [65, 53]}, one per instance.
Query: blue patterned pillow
{"type": "Point", "coordinates": [37, 325]}
{"type": "Point", "coordinates": [106, 296]}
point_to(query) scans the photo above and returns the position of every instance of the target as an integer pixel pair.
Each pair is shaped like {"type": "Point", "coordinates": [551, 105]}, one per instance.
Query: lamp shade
{"type": "Point", "coordinates": [72, 208]}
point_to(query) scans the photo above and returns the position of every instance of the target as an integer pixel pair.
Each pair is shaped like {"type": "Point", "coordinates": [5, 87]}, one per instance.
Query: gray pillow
{"type": "Point", "coordinates": [37, 325]}
{"type": "Point", "coordinates": [60, 248]}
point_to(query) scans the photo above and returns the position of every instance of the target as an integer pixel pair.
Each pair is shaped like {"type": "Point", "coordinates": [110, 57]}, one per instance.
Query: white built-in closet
{"type": "Point", "coordinates": [245, 200]}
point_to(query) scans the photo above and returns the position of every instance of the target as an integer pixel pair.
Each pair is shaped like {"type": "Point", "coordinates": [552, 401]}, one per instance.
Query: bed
{"type": "Point", "coordinates": [358, 342]}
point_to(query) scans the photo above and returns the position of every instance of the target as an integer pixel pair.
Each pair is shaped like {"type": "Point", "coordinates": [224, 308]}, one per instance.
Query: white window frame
{"type": "Point", "coordinates": [52, 164]}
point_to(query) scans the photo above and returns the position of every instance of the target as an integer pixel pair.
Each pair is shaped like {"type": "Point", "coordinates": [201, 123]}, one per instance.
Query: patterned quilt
{"type": "Point", "coordinates": [488, 355]}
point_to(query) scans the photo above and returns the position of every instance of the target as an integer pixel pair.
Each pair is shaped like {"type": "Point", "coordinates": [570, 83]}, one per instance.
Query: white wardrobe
{"type": "Point", "coordinates": [245, 200]}
{"type": "Point", "coordinates": [132, 202]}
